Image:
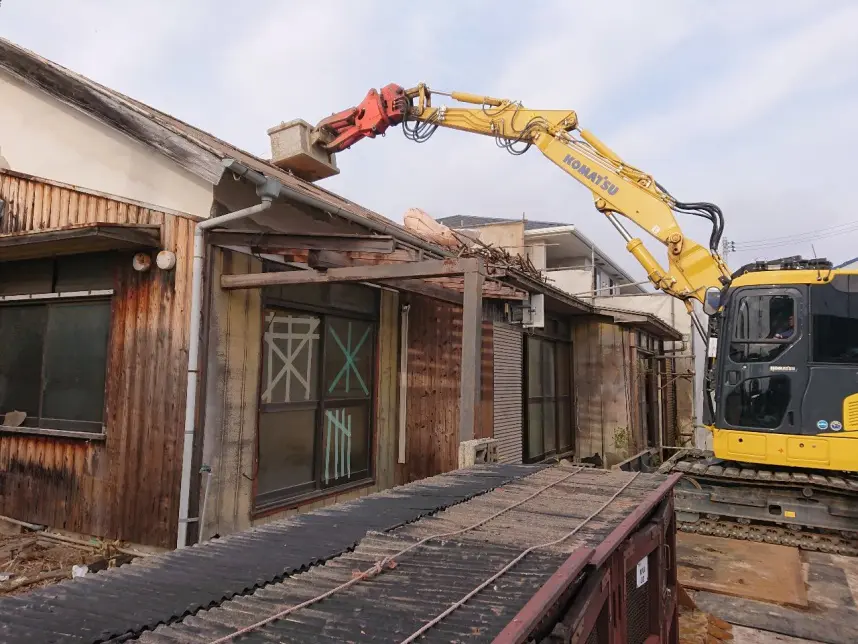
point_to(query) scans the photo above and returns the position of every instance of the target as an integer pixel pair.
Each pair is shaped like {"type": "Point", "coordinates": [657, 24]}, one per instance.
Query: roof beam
{"type": "Point", "coordinates": [381, 272]}
{"type": "Point", "coordinates": [273, 242]}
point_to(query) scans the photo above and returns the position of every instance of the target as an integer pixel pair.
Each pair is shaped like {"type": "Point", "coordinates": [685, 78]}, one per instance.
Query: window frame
{"type": "Point", "coordinates": [61, 298]}
{"type": "Point", "coordinates": [270, 502]}
{"type": "Point", "coordinates": [553, 340]}
{"type": "Point", "coordinates": [759, 293]}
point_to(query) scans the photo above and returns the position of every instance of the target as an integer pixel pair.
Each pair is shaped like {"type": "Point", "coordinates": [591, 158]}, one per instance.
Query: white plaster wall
{"type": "Point", "coordinates": [573, 281]}
{"type": "Point", "coordinates": [44, 137]}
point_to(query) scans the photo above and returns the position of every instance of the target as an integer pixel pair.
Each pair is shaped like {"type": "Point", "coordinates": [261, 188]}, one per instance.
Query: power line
{"type": "Point", "coordinates": [822, 233]}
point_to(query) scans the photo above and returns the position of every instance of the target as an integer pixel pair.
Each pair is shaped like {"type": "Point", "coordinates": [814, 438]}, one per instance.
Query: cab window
{"type": "Point", "coordinates": [763, 327]}
{"type": "Point", "coordinates": [834, 311]}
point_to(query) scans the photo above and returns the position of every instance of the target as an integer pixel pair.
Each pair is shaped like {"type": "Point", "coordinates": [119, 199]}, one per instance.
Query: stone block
{"type": "Point", "coordinates": [292, 148]}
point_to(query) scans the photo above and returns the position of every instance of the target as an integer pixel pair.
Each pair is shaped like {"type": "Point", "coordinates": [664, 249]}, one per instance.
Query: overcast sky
{"type": "Point", "coordinates": [750, 105]}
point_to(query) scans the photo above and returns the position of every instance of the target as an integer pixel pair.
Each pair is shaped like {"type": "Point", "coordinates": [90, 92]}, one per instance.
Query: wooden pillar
{"type": "Point", "coordinates": [472, 327]}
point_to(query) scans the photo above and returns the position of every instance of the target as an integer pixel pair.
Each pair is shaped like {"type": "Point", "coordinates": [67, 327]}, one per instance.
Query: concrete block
{"type": "Point", "coordinates": [292, 149]}
{"type": "Point", "coordinates": [478, 451]}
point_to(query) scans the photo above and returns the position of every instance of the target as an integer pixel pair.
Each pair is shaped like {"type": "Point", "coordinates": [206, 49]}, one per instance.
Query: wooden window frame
{"type": "Point", "coordinates": [53, 299]}
{"type": "Point", "coordinates": [319, 489]}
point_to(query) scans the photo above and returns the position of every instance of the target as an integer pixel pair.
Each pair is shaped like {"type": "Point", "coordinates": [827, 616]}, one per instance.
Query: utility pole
{"type": "Point", "coordinates": [727, 247]}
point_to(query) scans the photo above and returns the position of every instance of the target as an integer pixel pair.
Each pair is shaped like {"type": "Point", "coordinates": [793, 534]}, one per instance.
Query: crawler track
{"type": "Point", "coordinates": [808, 509]}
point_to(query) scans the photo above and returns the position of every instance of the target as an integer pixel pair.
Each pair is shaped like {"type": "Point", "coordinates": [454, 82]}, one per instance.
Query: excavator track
{"type": "Point", "coordinates": [809, 509]}
{"type": "Point", "coordinates": [817, 542]}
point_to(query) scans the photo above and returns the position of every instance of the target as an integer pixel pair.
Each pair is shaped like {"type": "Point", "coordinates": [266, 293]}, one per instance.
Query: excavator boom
{"type": "Point", "coordinates": [617, 187]}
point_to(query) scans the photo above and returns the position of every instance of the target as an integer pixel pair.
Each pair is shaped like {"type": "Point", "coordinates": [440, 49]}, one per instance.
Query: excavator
{"type": "Point", "coordinates": [782, 382]}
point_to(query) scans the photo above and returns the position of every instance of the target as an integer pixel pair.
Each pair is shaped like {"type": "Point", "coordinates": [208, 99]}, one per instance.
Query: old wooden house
{"type": "Point", "coordinates": [196, 340]}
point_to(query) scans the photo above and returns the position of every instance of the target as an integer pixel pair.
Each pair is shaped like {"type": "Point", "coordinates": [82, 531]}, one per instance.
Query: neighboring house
{"type": "Point", "coordinates": [575, 265]}
{"type": "Point", "coordinates": [849, 264]}
{"type": "Point", "coordinates": [169, 376]}
{"type": "Point", "coordinates": [572, 262]}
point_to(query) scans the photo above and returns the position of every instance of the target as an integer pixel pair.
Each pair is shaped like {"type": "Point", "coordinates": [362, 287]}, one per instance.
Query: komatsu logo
{"type": "Point", "coordinates": [582, 168]}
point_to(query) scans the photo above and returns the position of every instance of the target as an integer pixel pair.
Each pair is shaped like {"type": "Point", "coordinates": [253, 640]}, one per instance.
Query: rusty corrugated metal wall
{"type": "Point", "coordinates": [126, 486]}
{"type": "Point", "coordinates": [434, 375]}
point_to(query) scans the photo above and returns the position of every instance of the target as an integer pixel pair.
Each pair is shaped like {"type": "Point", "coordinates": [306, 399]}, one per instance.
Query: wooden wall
{"type": "Point", "coordinates": [434, 376]}
{"type": "Point", "coordinates": [125, 487]}
{"type": "Point", "coordinates": [232, 396]}
{"type": "Point", "coordinates": [604, 375]}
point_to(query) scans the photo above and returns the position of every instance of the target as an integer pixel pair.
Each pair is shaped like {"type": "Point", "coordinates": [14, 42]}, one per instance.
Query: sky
{"type": "Point", "coordinates": [750, 105]}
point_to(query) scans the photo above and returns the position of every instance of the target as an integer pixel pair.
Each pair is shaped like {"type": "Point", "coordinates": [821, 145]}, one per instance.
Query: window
{"type": "Point", "coordinates": [54, 357]}
{"type": "Point", "coordinates": [834, 311]}
{"type": "Point", "coordinates": [763, 328]}
{"type": "Point", "coordinates": [549, 398]}
{"type": "Point", "coordinates": [315, 423]}
{"type": "Point", "coordinates": [758, 402]}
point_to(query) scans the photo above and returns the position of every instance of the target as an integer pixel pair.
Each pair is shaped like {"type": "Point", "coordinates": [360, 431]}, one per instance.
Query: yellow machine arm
{"type": "Point", "coordinates": [618, 188]}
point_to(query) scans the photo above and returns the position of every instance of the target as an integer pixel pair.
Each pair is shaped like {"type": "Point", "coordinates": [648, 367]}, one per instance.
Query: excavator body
{"type": "Point", "coordinates": [782, 381]}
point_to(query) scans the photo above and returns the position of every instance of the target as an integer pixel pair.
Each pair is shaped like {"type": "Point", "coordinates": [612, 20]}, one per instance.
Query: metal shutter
{"type": "Point", "coordinates": [507, 392]}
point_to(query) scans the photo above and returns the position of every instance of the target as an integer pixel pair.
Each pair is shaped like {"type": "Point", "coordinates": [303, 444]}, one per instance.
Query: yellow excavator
{"type": "Point", "coordinates": [782, 391]}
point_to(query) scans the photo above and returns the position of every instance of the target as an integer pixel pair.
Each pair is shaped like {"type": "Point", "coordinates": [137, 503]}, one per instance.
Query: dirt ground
{"type": "Point", "coordinates": [31, 560]}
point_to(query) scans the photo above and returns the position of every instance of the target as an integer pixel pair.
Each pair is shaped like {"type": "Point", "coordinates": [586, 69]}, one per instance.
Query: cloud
{"type": "Point", "coordinates": [730, 102]}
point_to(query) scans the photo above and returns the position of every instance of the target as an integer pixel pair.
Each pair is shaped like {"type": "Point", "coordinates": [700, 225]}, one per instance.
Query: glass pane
{"type": "Point", "coordinates": [549, 427]}
{"type": "Point", "coordinates": [345, 434]}
{"type": "Point", "coordinates": [765, 317]}
{"type": "Point", "coordinates": [548, 368]}
{"type": "Point", "coordinates": [758, 402]}
{"type": "Point", "coordinates": [534, 373]}
{"type": "Point", "coordinates": [345, 297]}
{"type": "Point", "coordinates": [835, 320]}
{"type": "Point", "coordinates": [564, 369]}
{"type": "Point", "coordinates": [26, 277]}
{"type": "Point", "coordinates": [76, 361]}
{"type": "Point", "coordinates": [534, 430]}
{"type": "Point", "coordinates": [290, 357]}
{"type": "Point", "coordinates": [349, 353]}
{"type": "Point", "coordinates": [286, 449]}
{"type": "Point", "coordinates": [564, 424]}
{"type": "Point", "coordinates": [22, 329]}
{"type": "Point", "coordinates": [87, 272]}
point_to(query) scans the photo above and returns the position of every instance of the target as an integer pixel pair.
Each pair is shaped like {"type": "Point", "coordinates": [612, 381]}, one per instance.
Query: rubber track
{"type": "Point", "coordinates": [693, 463]}
{"type": "Point", "coordinates": [817, 542]}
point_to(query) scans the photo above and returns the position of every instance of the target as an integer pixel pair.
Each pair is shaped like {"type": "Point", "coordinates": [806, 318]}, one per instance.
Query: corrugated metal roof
{"type": "Point", "coordinates": [432, 577]}
{"type": "Point", "coordinates": [470, 221]}
{"type": "Point", "coordinates": [163, 588]}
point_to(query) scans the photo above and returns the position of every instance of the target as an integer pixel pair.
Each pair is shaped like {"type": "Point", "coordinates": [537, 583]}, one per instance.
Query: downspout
{"type": "Point", "coordinates": [403, 382]}
{"type": "Point", "coordinates": [267, 191]}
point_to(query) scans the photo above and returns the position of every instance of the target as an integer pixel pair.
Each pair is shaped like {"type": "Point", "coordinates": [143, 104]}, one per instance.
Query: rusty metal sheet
{"type": "Point", "coordinates": [760, 571]}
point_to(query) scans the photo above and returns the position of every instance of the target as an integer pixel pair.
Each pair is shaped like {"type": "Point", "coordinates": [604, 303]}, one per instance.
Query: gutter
{"type": "Point", "coordinates": [293, 195]}
{"type": "Point", "coordinates": [267, 191]}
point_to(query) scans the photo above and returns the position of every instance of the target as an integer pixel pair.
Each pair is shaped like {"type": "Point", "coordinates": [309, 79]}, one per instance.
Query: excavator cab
{"type": "Point", "coordinates": [785, 377]}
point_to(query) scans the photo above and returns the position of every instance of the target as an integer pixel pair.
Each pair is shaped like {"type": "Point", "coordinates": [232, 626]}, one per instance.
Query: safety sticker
{"type": "Point", "coordinates": [836, 425]}
{"type": "Point", "coordinates": [822, 424]}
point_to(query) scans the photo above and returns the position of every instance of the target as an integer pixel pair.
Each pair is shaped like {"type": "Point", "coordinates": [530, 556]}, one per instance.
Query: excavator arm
{"type": "Point", "coordinates": [617, 188]}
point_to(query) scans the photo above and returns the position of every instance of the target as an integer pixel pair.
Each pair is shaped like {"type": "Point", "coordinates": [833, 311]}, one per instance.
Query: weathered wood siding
{"type": "Point", "coordinates": [434, 376]}
{"type": "Point", "coordinates": [125, 487]}
{"type": "Point", "coordinates": [603, 365]}
{"type": "Point", "coordinates": [232, 402]}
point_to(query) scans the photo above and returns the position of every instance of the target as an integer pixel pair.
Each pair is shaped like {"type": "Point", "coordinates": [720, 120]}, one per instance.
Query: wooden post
{"type": "Point", "coordinates": [472, 331]}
